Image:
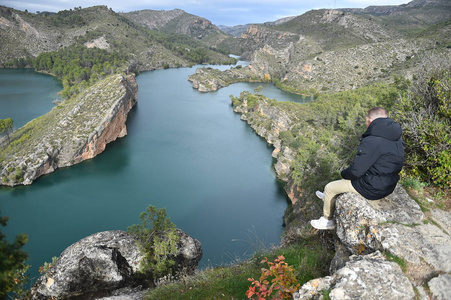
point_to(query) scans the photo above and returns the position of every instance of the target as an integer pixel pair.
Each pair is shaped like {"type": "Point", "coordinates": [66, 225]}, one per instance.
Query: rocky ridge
{"type": "Point", "coordinates": [337, 50]}
{"type": "Point", "coordinates": [153, 19]}
{"type": "Point", "coordinates": [35, 37]}
{"type": "Point", "coordinates": [177, 21]}
{"type": "Point", "coordinates": [25, 34]}
{"type": "Point", "coordinates": [300, 62]}
{"type": "Point", "coordinates": [77, 130]}
{"type": "Point", "coordinates": [107, 263]}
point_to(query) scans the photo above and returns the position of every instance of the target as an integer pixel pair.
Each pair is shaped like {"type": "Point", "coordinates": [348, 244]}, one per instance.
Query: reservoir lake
{"type": "Point", "coordinates": [185, 151]}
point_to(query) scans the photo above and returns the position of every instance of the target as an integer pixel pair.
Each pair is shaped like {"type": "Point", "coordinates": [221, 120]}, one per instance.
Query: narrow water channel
{"type": "Point", "coordinates": [185, 151]}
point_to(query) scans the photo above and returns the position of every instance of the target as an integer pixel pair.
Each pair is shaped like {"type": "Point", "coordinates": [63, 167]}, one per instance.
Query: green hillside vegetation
{"type": "Point", "coordinates": [327, 129]}
{"type": "Point", "coordinates": [79, 67]}
{"type": "Point", "coordinates": [424, 112]}
{"type": "Point", "coordinates": [441, 32]}
{"type": "Point", "coordinates": [409, 19]}
{"type": "Point", "coordinates": [326, 33]}
{"type": "Point", "coordinates": [309, 258]}
{"type": "Point", "coordinates": [190, 49]}
{"type": "Point", "coordinates": [145, 49]}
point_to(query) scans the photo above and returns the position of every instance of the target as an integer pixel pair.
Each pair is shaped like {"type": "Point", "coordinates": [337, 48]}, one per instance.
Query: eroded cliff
{"type": "Point", "coordinates": [74, 131]}
{"type": "Point", "coordinates": [385, 249]}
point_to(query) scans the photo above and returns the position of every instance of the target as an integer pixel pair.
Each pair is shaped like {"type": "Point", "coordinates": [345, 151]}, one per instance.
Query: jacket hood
{"type": "Point", "coordinates": [384, 127]}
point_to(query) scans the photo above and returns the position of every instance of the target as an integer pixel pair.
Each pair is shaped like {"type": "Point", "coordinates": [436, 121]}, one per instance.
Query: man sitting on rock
{"type": "Point", "coordinates": [374, 171]}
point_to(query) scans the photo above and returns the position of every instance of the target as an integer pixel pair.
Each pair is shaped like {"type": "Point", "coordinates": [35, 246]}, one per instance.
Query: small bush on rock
{"type": "Point", "coordinates": [158, 241]}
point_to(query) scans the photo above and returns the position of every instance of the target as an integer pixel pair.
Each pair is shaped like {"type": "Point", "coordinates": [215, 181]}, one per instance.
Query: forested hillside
{"type": "Point", "coordinates": [26, 35]}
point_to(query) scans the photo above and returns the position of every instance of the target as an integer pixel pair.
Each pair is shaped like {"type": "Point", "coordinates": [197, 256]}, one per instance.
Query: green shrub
{"type": "Point", "coordinates": [12, 263]}
{"type": "Point", "coordinates": [286, 137]}
{"type": "Point", "coordinates": [309, 258]}
{"type": "Point", "coordinates": [158, 241]}
{"type": "Point", "coordinates": [424, 113]}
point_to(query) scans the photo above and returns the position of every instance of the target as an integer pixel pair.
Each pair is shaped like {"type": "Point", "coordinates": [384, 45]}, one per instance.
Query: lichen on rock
{"type": "Point", "coordinates": [397, 227]}
{"type": "Point", "coordinates": [106, 261]}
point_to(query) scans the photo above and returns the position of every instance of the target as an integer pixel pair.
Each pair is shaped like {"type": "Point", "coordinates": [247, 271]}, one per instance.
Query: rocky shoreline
{"type": "Point", "coordinates": [74, 131]}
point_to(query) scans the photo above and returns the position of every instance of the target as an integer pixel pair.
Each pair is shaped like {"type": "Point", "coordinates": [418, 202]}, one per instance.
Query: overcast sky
{"type": "Point", "coordinates": [220, 12]}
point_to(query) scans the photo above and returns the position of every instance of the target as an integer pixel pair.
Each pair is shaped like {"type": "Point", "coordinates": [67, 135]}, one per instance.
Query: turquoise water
{"type": "Point", "coordinates": [185, 151]}
{"type": "Point", "coordinates": [26, 95]}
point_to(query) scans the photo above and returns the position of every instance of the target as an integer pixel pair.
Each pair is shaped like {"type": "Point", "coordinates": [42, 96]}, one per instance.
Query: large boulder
{"type": "Point", "coordinates": [359, 221]}
{"type": "Point", "coordinates": [363, 277]}
{"type": "Point", "coordinates": [371, 235]}
{"type": "Point", "coordinates": [103, 262]}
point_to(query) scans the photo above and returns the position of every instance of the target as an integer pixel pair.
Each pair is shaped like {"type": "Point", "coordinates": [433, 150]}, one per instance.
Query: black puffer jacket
{"type": "Point", "coordinates": [379, 159]}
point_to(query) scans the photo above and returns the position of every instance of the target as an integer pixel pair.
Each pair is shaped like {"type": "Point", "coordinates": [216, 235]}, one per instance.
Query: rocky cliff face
{"type": "Point", "coordinates": [104, 262]}
{"type": "Point", "coordinates": [177, 21]}
{"type": "Point", "coordinates": [77, 130]}
{"type": "Point", "coordinates": [268, 121]}
{"type": "Point", "coordinates": [375, 235]}
{"type": "Point", "coordinates": [301, 63]}
{"type": "Point", "coordinates": [385, 249]}
{"type": "Point", "coordinates": [336, 50]}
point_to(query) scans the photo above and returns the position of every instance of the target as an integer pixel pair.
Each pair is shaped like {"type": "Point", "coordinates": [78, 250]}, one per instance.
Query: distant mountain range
{"type": "Point", "coordinates": [321, 49]}
{"type": "Point", "coordinates": [333, 50]}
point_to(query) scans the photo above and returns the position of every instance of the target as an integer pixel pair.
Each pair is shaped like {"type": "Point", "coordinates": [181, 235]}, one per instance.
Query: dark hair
{"type": "Point", "coordinates": [377, 112]}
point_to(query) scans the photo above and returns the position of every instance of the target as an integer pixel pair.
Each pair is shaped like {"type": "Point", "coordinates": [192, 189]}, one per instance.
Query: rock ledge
{"type": "Point", "coordinates": [373, 234]}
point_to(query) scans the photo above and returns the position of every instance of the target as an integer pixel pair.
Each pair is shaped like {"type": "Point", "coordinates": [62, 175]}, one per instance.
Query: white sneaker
{"type": "Point", "coordinates": [323, 223]}
{"type": "Point", "coordinates": [320, 195]}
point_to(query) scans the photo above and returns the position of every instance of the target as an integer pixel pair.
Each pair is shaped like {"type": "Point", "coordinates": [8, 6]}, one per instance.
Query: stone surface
{"type": "Point", "coordinates": [397, 226]}
{"type": "Point", "coordinates": [360, 222]}
{"type": "Point", "coordinates": [190, 253]}
{"type": "Point", "coordinates": [104, 262]}
{"type": "Point", "coordinates": [314, 288]}
{"type": "Point", "coordinates": [126, 294]}
{"type": "Point", "coordinates": [98, 263]}
{"type": "Point", "coordinates": [363, 277]}
{"type": "Point", "coordinates": [441, 287]}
